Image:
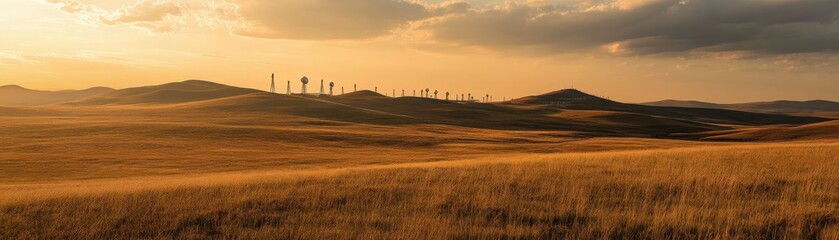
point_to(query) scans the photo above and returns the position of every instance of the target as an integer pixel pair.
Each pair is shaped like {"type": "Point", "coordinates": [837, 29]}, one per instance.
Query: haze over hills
{"type": "Point", "coordinates": [804, 108]}
{"type": "Point", "coordinates": [13, 95]}
{"type": "Point", "coordinates": [567, 110]}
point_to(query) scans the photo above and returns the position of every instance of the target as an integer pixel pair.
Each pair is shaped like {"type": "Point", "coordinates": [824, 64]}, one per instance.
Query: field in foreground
{"type": "Point", "coordinates": [757, 191]}
{"type": "Point", "coordinates": [199, 160]}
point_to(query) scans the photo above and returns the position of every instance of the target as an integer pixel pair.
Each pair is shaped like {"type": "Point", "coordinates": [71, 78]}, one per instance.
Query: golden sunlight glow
{"type": "Point", "coordinates": [70, 44]}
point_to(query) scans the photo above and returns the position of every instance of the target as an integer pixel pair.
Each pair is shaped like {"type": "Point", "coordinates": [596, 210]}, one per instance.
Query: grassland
{"type": "Point", "coordinates": [764, 191]}
{"type": "Point", "coordinates": [197, 160]}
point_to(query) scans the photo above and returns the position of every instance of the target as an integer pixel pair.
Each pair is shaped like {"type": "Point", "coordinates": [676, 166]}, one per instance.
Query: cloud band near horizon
{"type": "Point", "coordinates": [626, 27]}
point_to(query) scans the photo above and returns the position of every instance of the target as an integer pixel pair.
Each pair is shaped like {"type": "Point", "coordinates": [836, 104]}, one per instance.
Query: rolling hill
{"type": "Point", "coordinates": [816, 131]}
{"type": "Point", "coordinates": [367, 107]}
{"type": "Point", "coordinates": [13, 95]}
{"type": "Point", "coordinates": [804, 108]}
{"type": "Point", "coordinates": [571, 111]}
{"type": "Point", "coordinates": [170, 93]}
{"type": "Point", "coordinates": [577, 100]}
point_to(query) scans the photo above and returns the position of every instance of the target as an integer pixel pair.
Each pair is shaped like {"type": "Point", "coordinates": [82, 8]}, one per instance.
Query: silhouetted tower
{"type": "Point", "coordinates": [403, 92]}
{"type": "Point", "coordinates": [462, 97]}
{"type": "Point", "coordinates": [342, 90]}
{"type": "Point", "coordinates": [427, 91]}
{"type": "Point", "coordinates": [331, 85]}
{"type": "Point", "coordinates": [321, 87]}
{"type": "Point", "coordinates": [435, 94]}
{"type": "Point", "coordinates": [273, 89]}
{"type": "Point", "coordinates": [355, 87]}
{"type": "Point", "coordinates": [288, 88]}
{"type": "Point", "coordinates": [447, 96]}
{"type": "Point", "coordinates": [470, 97]}
{"type": "Point", "coordinates": [487, 98]}
{"type": "Point", "coordinates": [394, 92]}
{"type": "Point", "coordinates": [376, 89]}
{"type": "Point", "coordinates": [305, 81]}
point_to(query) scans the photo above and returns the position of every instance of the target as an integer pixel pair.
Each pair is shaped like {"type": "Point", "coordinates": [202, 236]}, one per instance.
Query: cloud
{"type": "Point", "coordinates": [644, 27]}
{"type": "Point", "coordinates": [70, 6]}
{"type": "Point", "coordinates": [334, 19]}
{"type": "Point", "coordinates": [145, 11]}
{"type": "Point", "coordinates": [153, 15]}
{"type": "Point", "coordinates": [623, 27]}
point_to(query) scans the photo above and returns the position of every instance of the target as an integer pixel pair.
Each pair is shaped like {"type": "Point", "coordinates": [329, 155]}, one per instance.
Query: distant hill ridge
{"type": "Point", "coordinates": [14, 95]}
{"type": "Point", "coordinates": [561, 97]}
{"type": "Point", "coordinates": [567, 110]}
{"type": "Point", "coordinates": [363, 94]}
{"type": "Point", "coordinates": [812, 107]}
{"type": "Point", "coordinates": [177, 92]}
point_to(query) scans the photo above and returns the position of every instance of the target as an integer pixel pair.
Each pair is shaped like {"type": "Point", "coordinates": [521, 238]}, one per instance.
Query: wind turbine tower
{"type": "Point", "coordinates": [273, 89]}
{"type": "Point", "coordinates": [305, 81]}
{"type": "Point", "coordinates": [331, 85]}
{"type": "Point", "coordinates": [288, 88]}
{"type": "Point", "coordinates": [321, 87]}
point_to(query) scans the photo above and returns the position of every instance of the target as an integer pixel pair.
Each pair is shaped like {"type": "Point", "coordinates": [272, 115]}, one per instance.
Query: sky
{"type": "Point", "coordinates": [627, 50]}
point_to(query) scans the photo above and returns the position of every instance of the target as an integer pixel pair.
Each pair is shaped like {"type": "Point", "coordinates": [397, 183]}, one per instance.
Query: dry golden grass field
{"type": "Point", "coordinates": [244, 165]}
{"type": "Point", "coordinates": [764, 191]}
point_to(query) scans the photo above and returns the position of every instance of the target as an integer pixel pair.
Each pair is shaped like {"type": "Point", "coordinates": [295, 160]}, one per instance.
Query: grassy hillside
{"type": "Point", "coordinates": [13, 95]}
{"type": "Point", "coordinates": [770, 191]}
{"type": "Point", "coordinates": [542, 112]}
{"type": "Point", "coordinates": [199, 160]}
{"type": "Point", "coordinates": [90, 142]}
{"type": "Point", "coordinates": [802, 108]}
{"type": "Point", "coordinates": [816, 131]}
{"type": "Point", "coordinates": [177, 92]}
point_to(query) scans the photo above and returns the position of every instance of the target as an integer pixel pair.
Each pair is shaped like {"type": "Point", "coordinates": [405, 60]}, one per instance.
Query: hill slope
{"type": "Point", "coordinates": [577, 100]}
{"type": "Point", "coordinates": [13, 95]}
{"type": "Point", "coordinates": [570, 111]}
{"type": "Point", "coordinates": [807, 108]}
{"type": "Point", "coordinates": [565, 96]}
{"type": "Point", "coordinates": [816, 131]}
{"type": "Point", "coordinates": [170, 93]}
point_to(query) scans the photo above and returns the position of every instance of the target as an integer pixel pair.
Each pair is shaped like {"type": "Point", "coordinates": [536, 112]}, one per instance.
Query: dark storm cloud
{"type": "Point", "coordinates": [334, 19]}
{"type": "Point", "coordinates": [655, 27]}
